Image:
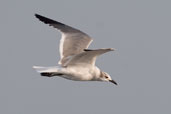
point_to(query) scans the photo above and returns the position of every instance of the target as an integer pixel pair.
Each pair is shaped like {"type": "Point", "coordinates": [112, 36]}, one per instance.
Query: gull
{"type": "Point", "coordinates": [77, 61]}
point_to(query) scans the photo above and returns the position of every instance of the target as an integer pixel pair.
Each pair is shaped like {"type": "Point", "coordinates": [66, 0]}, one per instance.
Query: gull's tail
{"type": "Point", "coordinates": [48, 71]}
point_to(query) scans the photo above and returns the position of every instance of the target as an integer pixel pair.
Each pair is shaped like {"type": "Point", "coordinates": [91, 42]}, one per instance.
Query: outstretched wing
{"type": "Point", "coordinates": [73, 41]}
{"type": "Point", "coordinates": [87, 57]}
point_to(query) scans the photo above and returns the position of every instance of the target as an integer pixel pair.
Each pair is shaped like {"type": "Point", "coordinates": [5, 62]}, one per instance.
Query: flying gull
{"type": "Point", "coordinates": [77, 62]}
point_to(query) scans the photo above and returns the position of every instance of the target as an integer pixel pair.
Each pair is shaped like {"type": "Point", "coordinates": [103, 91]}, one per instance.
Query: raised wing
{"type": "Point", "coordinates": [87, 57]}
{"type": "Point", "coordinates": [73, 41]}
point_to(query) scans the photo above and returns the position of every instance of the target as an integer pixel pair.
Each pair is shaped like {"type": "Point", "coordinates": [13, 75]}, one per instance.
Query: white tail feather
{"type": "Point", "coordinates": [41, 69]}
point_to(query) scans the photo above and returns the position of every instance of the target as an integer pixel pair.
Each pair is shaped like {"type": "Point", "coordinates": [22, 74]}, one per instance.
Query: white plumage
{"type": "Point", "coordinates": [77, 62]}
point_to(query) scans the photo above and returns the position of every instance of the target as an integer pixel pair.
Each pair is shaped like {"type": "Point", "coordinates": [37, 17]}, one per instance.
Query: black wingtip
{"type": "Point", "coordinates": [88, 50]}
{"type": "Point", "coordinates": [47, 20]}
{"type": "Point", "coordinates": [39, 16]}
{"type": "Point", "coordinates": [36, 14]}
{"type": "Point", "coordinates": [45, 74]}
{"type": "Point", "coordinates": [44, 19]}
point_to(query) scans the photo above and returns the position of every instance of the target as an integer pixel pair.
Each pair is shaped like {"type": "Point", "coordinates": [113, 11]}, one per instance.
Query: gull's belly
{"type": "Point", "coordinates": [79, 73]}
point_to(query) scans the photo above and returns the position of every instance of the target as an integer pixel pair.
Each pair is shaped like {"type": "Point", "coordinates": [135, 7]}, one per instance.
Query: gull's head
{"type": "Point", "coordinates": [106, 77]}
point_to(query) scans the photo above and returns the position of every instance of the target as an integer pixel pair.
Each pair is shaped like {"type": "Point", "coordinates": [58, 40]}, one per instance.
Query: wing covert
{"type": "Point", "coordinates": [73, 41]}
{"type": "Point", "coordinates": [87, 57]}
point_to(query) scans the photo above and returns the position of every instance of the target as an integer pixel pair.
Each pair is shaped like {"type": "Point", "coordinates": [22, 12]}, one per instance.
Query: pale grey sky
{"type": "Point", "coordinates": [139, 30]}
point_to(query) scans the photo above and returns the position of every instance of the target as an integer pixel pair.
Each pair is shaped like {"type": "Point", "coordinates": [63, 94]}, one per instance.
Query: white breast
{"type": "Point", "coordinates": [81, 73]}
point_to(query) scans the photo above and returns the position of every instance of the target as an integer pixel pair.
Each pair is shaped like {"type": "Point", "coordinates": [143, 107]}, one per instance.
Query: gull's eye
{"type": "Point", "coordinates": [106, 76]}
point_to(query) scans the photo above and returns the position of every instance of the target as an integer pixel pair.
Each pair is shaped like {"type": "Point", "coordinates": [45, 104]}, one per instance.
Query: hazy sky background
{"type": "Point", "coordinates": [139, 30]}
